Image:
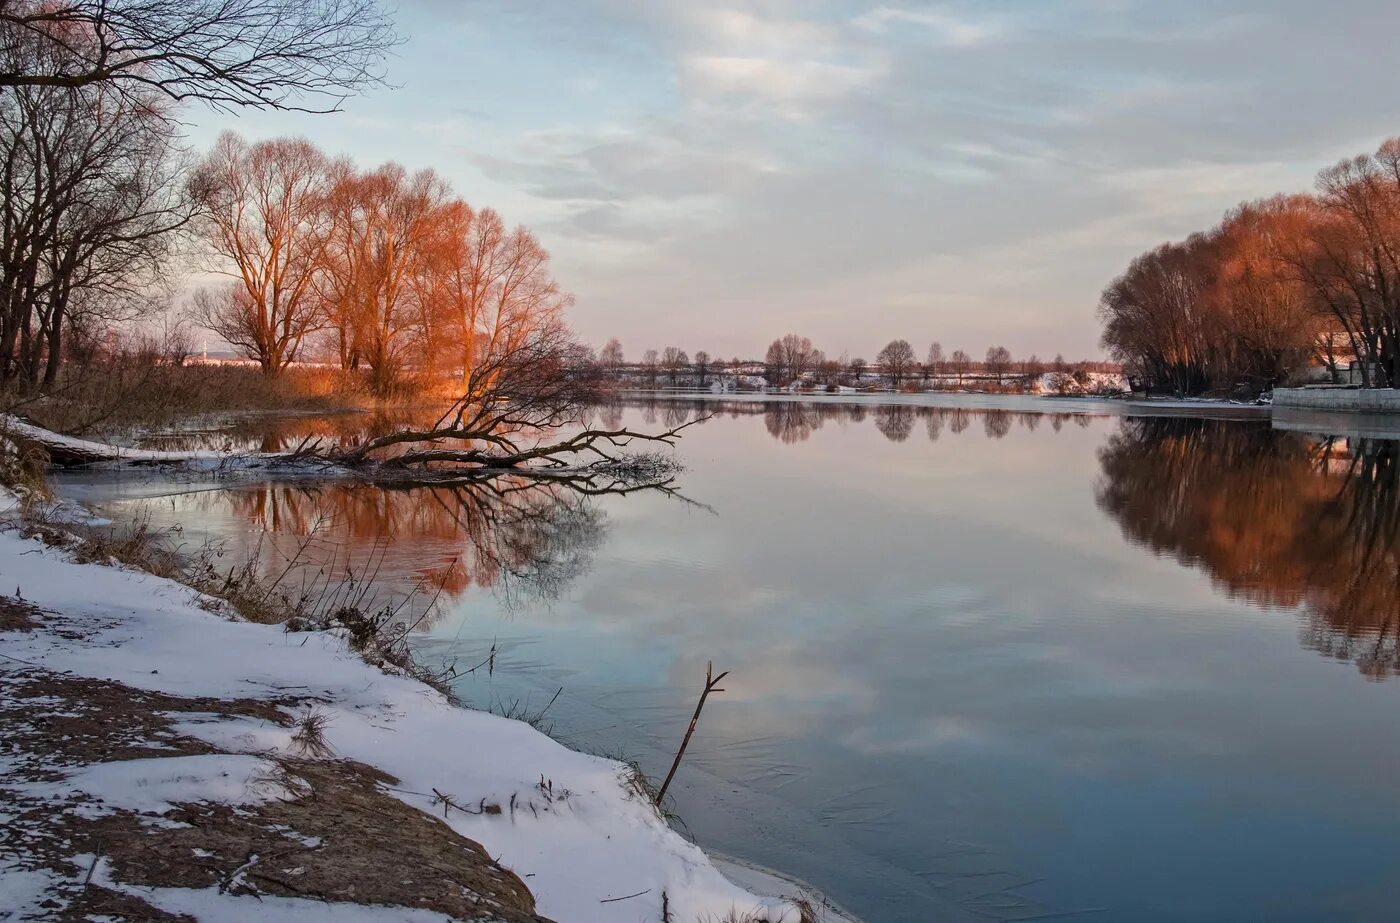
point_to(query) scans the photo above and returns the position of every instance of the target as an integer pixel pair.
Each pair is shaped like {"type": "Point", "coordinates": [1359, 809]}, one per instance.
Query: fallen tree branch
{"type": "Point", "coordinates": [71, 451]}
{"type": "Point", "coordinates": [595, 442]}
{"type": "Point", "coordinates": [435, 464]}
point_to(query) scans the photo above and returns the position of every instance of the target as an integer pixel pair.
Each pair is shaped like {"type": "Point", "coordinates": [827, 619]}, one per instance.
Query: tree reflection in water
{"type": "Point", "coordinates": [895, 421]}
{"type": "Point", "coordinates": [1277, 518]}
{"type": "Point", "coordinates": [269, 433]}
{"type": "Point", "coordinates": [523, 539]}
{"type": "Point", "coordinates": [795, 421]}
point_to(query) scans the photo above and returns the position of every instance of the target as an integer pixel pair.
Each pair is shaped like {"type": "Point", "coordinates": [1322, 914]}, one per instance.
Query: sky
{"type": "Point", "coordinates": [715, 174]}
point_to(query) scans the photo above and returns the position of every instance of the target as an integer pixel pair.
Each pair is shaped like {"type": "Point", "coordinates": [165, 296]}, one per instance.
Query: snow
{"type": "Point", "coordinates": [14, 426]}
{"type": "Point", "coordinates": [153, 786]}
{"type": "Point", "coordinates": [577, 835]}
{"type": "Point", "coordinates": [21, 892]}
{"type": "Point", "coordinates": [209, 905]}
{"type": "Point", "coordinates": [1093, 383]}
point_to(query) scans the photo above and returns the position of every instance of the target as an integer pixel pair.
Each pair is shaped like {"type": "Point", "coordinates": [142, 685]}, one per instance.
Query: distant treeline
{"type": "Point", "coordinates": [1279, 285]}
{"type": "Point", "coordinates": [793, 360]}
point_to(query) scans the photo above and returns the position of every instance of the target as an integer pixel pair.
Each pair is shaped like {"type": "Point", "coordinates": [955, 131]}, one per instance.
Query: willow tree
{"type": "Point", "coordinates": [385, 220]}
{"type": "Point", "coordinates": [263, 211]}
{"type": "Point", "coordinates": [492, 289]}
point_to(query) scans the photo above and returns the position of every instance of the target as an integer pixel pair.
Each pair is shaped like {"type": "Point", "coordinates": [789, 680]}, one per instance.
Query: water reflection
{"type": "Point", "coordinates": [958, 693]}
{"type": "Point", "coordinates": [268, 433]}
{"type": "Point", "coordinates": [1277, 518]}
{"type": "Point", "coordinates": [522, 539]}
{"type": "Point", "coordinates": [795, 421]}
{"type": "Point", "coordinates": [788, 421]}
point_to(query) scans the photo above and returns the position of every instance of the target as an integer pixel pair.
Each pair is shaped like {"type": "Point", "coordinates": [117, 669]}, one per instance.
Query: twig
{"type": "Point", "coordinates": [625, 897]}
{"type": "Point", "coordinates": [711, 685]}
{"type": "Point", "coordinates": [31, 663]}
{"type": "Point", "coordinates": [96, 856]}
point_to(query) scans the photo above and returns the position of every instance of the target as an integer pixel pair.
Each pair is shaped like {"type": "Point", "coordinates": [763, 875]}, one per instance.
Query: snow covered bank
{"type": "Point", "coordinates": [216, 717]}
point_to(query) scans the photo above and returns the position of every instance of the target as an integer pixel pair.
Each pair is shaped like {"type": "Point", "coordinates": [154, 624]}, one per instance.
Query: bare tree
{"type": "Point", "coordinates": [264, 212]}
{"type": "Point", "coordinates": [487, 288]}
{"type": "Point", "coordinates": [961, 362]}
{"type": "Point", "coordinates": [773, 368]}
{"type": "Point", "coordinates": [934, 360]}
{"type": "Point", "coordinates": [998, 361]}
{"type": "Point", "coordinates": [650, 362]}
{"type": "Point", "coordinates": [789, 358]}
{"type": "Point", "coordinates": [175, 338]}
{"type": "Point", "coordinates": [611, 358]}
{"type": "Point", "coordinates": [673, 360]}
{"type": "Point", "coordinates": [396, 220]}
{"type": "Point", "coordinates": [702, 367]}
{"type": "Point", "coordinates": [89, 197]}
{"type": "Point", "coordinates": [1243, 303]}
{"type": "Point", "coordinates": [897, 360]}
{"type": "Point", "coordinates": [270, 54]}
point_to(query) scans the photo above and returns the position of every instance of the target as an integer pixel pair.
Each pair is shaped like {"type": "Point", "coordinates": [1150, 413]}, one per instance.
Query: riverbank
{"type": "Point", "coordinates": [1348, 400]}
{"type": "Point", "coordinates": [167, 757]}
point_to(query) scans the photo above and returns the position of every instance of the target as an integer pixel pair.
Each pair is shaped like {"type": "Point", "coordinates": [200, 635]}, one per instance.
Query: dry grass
{"type": "Point", "coordinates": [109, 400]}
{"type": "Point", "coordinates": [340, 599]}
{"type": "Point", "coordinates": [24, 470]}
{"type": "Point", "coordinates": [309, 740]}
{"type": "Point", "coordinates": [520, 710]}
{"type": "Point", "coordinates": [806, 909]}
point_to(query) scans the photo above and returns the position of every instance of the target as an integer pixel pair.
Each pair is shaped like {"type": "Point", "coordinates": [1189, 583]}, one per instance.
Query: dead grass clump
{"type": "Point", "coordinates": [309, 741]}
{"type": "Point", "coordinates": [381, 639]}
{"type": "Point", "coordinates": [805, 908]}
{"type": "Point", "coordinates": [138, 545]}
{"type": "Point", "coordinates": [519, 710]}
{"type": "Point", "coordinates": [102, 399]}
{"type": "Point", "coordinates": [24, 470]}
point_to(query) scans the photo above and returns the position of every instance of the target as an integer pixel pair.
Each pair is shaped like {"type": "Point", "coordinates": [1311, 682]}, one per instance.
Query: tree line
{"type": "Point", "coordinates": [1279, 285]}
{"type": "Point", "coordinates": [94, 203]}
{"type": "Point", "coordinates": [380, 269]}
{"type": "Point", "coordinates": [793, 359]}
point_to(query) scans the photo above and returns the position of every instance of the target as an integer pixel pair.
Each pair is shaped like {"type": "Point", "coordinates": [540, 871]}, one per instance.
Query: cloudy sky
{"type": "Point", "coordinates": [715, 174]}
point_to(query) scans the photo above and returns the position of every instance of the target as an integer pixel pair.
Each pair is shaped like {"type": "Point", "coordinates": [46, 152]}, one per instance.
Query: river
{"type": "Point", "coordinates": [990, 658]}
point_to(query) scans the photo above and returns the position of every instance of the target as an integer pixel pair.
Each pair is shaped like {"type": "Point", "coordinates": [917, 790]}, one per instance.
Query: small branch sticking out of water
{"type": "Point", "coordinates": [711, 685]}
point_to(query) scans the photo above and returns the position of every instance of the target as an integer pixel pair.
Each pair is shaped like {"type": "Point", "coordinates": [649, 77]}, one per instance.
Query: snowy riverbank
{"type": "Point", "coordinates": [140, 712]}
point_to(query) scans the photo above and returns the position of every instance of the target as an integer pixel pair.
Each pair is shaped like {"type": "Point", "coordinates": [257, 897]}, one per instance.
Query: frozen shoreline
{"type": "Point", "coordinates": [590, 847]}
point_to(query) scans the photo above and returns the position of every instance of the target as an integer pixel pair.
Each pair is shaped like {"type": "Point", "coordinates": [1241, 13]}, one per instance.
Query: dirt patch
{"type": "Point", "coordinates": [343, 840]}
{"type": "Point", "coordinates": [17, 615]}
{"type": "Point", "coordinates": [57, 720]}
{"type": "Point", "coordinates": [97, 903]}
{"type": "Point", "coordinates": [337, 835]}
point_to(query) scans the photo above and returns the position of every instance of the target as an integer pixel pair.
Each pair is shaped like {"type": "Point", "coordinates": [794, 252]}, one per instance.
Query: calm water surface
{"type": "Point", "coordinates": [990, 659]}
